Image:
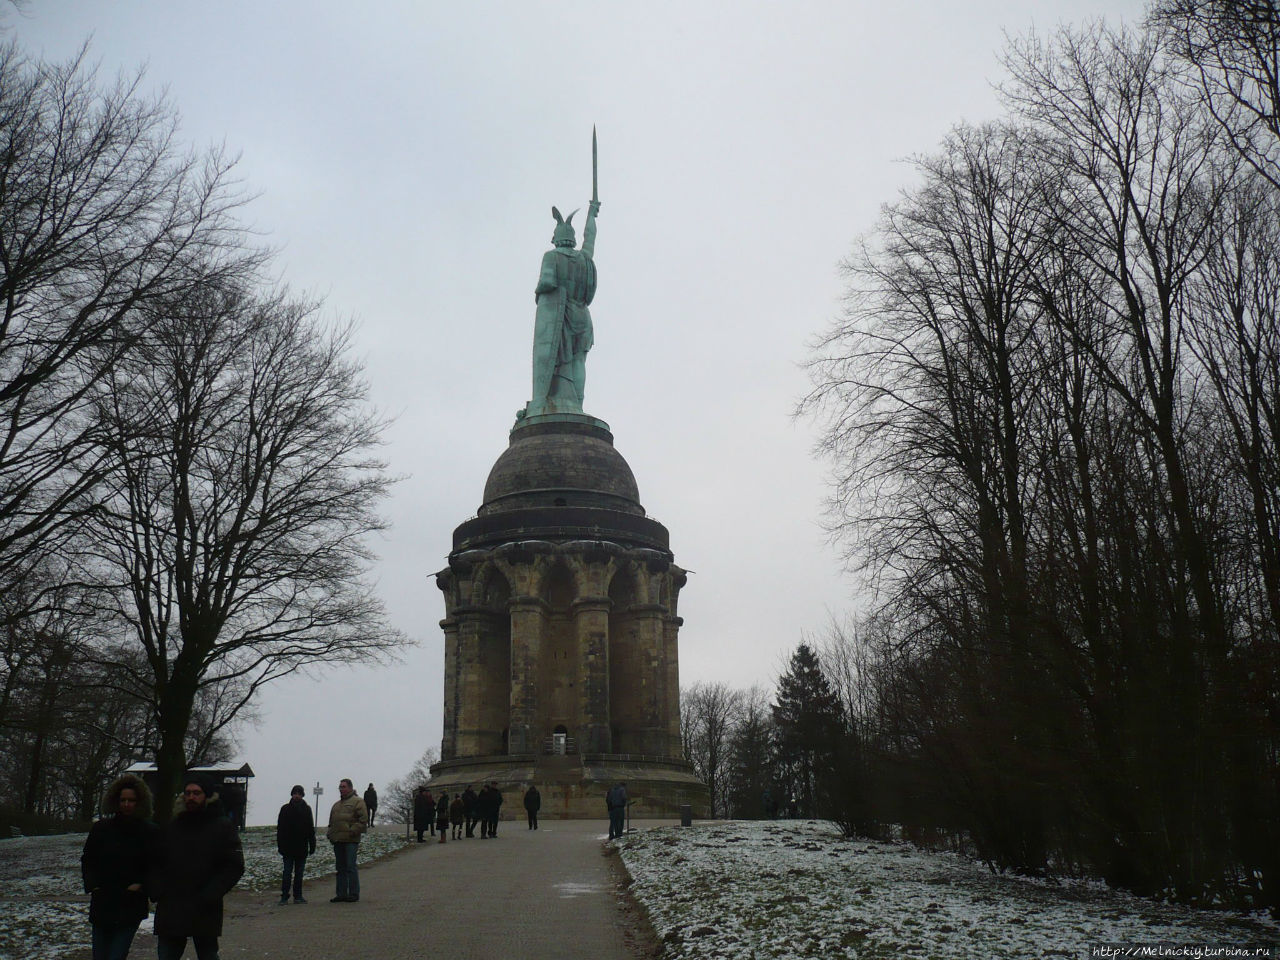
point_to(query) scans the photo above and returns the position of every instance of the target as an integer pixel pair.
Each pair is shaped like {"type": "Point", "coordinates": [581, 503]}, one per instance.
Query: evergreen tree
{"type": "Point", "coordinates": [810, 722]}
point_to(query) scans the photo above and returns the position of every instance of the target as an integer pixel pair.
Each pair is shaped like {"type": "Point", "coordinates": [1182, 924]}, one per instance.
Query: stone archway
{"type": "Point", "coordinates": [558, 708]}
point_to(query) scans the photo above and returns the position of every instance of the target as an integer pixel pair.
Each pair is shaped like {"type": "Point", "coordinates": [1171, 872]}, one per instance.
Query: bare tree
{"type": "Point", "coordinates": [65, 726]}
{"type": "Point", "coordinates": [1050, 414]}
{"type": "Point", "coordinates": [1233, 48]}
{"type": "Point", "coordinates": [932, 423]}
{"type": "Point", "coordinates": [1236, 338]}
{"type": "Point", "coordinates": [711, 710]}
{"type": "Point", "coordinates": [243, 490]}
{"type": "Point", "coordinates": [396, 798]}
{"type": "Point", "coordinates": [751, 781]}
{"type": "Point", "coordinates": [1143, 186]}
{"type": "Point", "coordinates": [101, 215]}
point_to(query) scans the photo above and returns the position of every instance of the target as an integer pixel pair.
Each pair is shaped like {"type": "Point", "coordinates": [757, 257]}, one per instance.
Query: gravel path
{"type": "Point", "coordinates": [546, 894]}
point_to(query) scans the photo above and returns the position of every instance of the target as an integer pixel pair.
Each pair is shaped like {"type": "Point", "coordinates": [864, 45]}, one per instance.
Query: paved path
{"type": "Point", "coordinates": [539, 894]}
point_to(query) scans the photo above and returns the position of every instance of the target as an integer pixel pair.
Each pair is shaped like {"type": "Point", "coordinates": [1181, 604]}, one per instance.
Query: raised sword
{"type": "Point", "coordinates": [595, 190]}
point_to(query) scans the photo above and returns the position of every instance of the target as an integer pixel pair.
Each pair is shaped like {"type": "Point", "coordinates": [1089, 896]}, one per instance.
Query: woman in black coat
{"type": "Point", "coordinates": [424, 811]}
{"type": "Point", "coordinates": [119, 855]}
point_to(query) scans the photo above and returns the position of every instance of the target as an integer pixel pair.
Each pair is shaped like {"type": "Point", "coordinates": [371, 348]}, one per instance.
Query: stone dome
{"type": "Point", "coordinates": [560, 480]}
{"type": "Point", "coordinates": [561, 463]}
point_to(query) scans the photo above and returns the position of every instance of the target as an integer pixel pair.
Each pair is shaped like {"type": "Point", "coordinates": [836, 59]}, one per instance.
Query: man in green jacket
{"type": "Point", "coordinates": [348, 819]}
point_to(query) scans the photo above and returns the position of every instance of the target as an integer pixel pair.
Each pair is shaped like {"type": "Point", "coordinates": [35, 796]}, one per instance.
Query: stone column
{"type": "Point", "coordinates": [591, 618]}
{"type": "Point", "coordinates": [473, 737]}
{"type": "Point", "coordinates": [671, 665]}
{"type": "Point", "coordinates": [671, 668]}
{"type": "Point", "coordinates": [449, 741]}
{"type": "Point", "coordinates": [528, 623]}
{"type": "Point", "coordinates": [448, 585]}
{"type": "Point", "coordinates": [649, 624]}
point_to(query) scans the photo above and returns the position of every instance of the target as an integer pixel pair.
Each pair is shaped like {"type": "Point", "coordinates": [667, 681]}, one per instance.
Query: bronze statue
{"type": "Point", "coordinates": [562, 331]}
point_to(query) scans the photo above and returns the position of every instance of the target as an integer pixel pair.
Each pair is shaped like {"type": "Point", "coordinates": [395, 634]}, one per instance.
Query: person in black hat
{"type": "Point", "coordinates": [200, 862]}
{"type": "Point", "coordinates": [296, 840]}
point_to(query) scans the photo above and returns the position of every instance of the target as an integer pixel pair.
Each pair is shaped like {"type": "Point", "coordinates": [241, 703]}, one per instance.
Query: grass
{"type": "Point", "coordinates": [797, 889]}
{"type": "Point", "coordinates": [44, 912]}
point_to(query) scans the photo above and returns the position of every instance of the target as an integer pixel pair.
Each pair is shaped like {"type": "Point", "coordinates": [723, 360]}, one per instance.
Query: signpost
{"type": "Point", "coordinates": [319, 792]}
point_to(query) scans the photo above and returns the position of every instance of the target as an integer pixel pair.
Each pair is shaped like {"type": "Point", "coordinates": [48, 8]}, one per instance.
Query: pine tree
{"type": "Point", "coordinates": [810, 723]}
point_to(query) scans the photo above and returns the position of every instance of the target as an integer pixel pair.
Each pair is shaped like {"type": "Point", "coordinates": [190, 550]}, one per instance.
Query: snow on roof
{"type": "Point", "coordinates": [230, 768]}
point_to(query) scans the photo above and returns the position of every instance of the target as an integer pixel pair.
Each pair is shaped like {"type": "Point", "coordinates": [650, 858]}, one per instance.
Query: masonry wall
{"type": "Point", "coordinates": [580, 635]}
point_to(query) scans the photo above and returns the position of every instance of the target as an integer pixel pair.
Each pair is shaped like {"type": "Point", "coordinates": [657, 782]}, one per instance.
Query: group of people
{"type": "Point", "coordinates": [439, 816]}
{"type": "Point", "coordinates": [349, 818]}
{"type": "Point", "coordinates": [185, 866]}
{"type": "Point", "coordinates": [191, 862]}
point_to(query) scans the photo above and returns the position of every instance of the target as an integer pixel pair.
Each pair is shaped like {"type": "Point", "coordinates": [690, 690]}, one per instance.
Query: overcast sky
{"type": "Point", "coordinates": [405, 157]}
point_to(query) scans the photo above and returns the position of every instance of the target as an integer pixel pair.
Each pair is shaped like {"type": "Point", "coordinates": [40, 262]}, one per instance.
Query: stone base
{"type": "Point", "coordinates": [574, 787]}
{"type": "Point", "coordinates": [548, 414]}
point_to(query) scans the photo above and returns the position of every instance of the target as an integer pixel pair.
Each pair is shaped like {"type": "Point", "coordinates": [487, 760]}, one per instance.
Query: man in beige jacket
{"type": "Point", "coordinates": [348, 819]}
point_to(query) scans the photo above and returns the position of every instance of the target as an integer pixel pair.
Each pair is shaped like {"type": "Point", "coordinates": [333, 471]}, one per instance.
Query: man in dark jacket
{"type": "Point", "coordinates": [492, 808]}
{"type": "Point", "coordinates": [296, 840]}
{"type": "Point", "coordinates": [532, 804]}
{"type": "Point", "coordinates": [470, 810]}
{"type": "Point", "coordinates": [616, 799]}
{"type": "Point", "coordinates": [371, 803]}
{"type": "Point", "coordinates": [200, 862]}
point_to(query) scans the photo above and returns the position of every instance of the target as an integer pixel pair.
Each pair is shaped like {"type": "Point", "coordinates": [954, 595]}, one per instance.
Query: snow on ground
{"type": "Point", "coordinates": [44, 912]}
{"type": "Point", "coordinates": [797, 889]}
{"type": "Point", "coordinates": [781, 889]}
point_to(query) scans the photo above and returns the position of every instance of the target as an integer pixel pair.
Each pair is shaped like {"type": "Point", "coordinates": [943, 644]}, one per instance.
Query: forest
{"type": "Point", "coordinates": [1050, 412]}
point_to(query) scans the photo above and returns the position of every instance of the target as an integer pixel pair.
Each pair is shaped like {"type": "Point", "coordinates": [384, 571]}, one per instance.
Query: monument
{"type": "Point", "coordinates": [560, 627]}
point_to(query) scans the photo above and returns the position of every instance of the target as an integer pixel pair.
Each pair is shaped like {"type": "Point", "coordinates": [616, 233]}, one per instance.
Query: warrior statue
{"type": "Point", "coordinates": [562, 332]}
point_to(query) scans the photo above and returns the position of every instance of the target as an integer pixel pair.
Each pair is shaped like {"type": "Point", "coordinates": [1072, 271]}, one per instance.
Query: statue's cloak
{"type": "Point", "coordinates": [562, 327]}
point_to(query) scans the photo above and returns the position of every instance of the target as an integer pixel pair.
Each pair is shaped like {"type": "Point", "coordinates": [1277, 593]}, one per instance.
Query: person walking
{"type": "Point", "coordinates": [495, 805]}
{"type": "Point", "coordinates": [616, 800]}
{"type": "Point", "coordinates": [532, 804]}
{"type": "Point", "coordinates": [119, 856]}
{"type": "Point", "coordinates": [424, 812]}
{"type": "Point", "coordinates": [348, 820]}
{"type": "Point", "coordinates": [200, 862]}
{"type": "Point", "coordinates": [371, 803]}
{"type": "Point", "coordinates": [442, 816]}
{"type": "Point", "coordinates": [457, 816]}
{"type": "Point", "coordinates": [482, 810]}
{"type": "Point", "coordinates": [295, 840]}
{"type": "Point", "coordinates": [469, 808]}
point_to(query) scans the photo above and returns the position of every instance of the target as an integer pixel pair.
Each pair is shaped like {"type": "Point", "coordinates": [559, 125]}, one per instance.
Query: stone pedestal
{"type": "Point", "coordinates": [560, 633]}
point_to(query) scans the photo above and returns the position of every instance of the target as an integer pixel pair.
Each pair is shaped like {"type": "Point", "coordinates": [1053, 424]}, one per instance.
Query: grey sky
{"type": "Point", "coordinates": [405, 159]}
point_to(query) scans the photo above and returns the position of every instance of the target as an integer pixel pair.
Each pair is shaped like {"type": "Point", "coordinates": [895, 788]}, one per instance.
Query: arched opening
{"type": "Point", "coordinates": [561, 742]}
{"type": "Point", "coordinates": [558, 656]}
